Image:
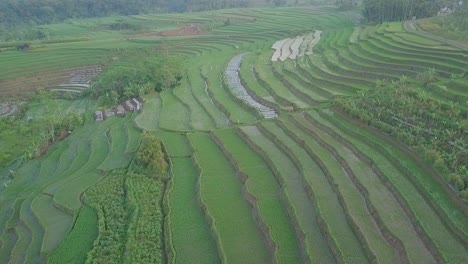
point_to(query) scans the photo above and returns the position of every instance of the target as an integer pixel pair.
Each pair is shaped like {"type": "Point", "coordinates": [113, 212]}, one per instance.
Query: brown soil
{"type": "Point", "coordinates": [187, 30]}
{"type": "Point", "coordinates": [43, 150]}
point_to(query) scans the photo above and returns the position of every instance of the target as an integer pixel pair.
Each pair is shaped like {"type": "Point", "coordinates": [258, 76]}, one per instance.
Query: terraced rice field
{"type": "Point", "coordinates": [271, 174]}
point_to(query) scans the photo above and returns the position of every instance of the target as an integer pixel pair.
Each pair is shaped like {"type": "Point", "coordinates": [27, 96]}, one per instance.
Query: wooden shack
{"type": "Point", "coordinates": [98, 116]}
{"type": "Point", "coordinates": [129, 106]}
{"type": "Point", "coordinates": [120, 110]}
{"type": "Point", "coordinates": [137, 104]}
{"type": "Point", "coordinates": [108, 113]}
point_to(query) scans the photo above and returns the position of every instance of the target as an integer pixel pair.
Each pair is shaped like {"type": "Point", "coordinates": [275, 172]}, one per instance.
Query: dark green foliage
{"type": "Point", "coordinates": [130, 211]}
{"type": "Point", "coordinates": [145, 234]}
{"type": "Point", "coordinates": [17, 12]}
{"type": "Point", "coordinates": [27, 137]}
{"type": "Point", "coordinates": [127, 81]}
{"type": "Point", "coordinates": [397, 10]}
{"type": "Point", "coordinates": [438, 131]}
{"type": "Point", "coordinates": [151, 155]}
{"type": "Point", "coordinates": [109, 199]}
{"type": "Point", "coordinates": [125, 25]}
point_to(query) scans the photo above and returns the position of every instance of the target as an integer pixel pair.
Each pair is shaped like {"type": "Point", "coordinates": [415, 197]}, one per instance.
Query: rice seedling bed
{"type": "Point", "coordinates": [79, 241]}
{"type": "Point", "coordinates": [361, 223]}
{"type": "Point", "coordinates": [265, 73]}
{"type": "Point", "coordinates": [56, 222]}
{"type": "Point", "coordinates": [200, 120]}
{"type": "Point", "coordinates": [118, 140]}
{"type": "Point", "coordinates": [413, 62]}
{"type": "Point", "coordinates": [296, 88]}
{"type": "Point", "coordinates": [389, 42]}
{"type": "Point", "coordinates": [292, 75]}
{"type": "Point", "coordinates": [386, 205]}
{"type": "Point", "coordinates": [303, 208]}
{"type": "Point", "coordinates": [234, 224]}
{"type": "Point", "coordinates": [248, 78]}
{"type": "Point", "coordinates": [186, 216]}
{"type": "Point", "coordinates": [151, 114]}
{"type": "Point", "coordinates": [430, 222]}
{"type": "Point", "coordinates": [351, 83]}
{"type": "Point", "coordinates": [174, 115]}
{"type": "Point", "coordinates": [442, 60]}
{"type": "Point", "coordinates": [358, 54]}
{"type": "Point", "coordinates": [264, 187]}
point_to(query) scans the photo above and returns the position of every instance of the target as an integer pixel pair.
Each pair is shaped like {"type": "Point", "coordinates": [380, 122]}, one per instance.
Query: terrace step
{"type": "Point", "coordinates": [234, 83]}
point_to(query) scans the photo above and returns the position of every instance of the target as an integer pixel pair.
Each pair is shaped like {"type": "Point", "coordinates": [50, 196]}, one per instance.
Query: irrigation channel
{"type": "Point", "coordinates": [236, 87]}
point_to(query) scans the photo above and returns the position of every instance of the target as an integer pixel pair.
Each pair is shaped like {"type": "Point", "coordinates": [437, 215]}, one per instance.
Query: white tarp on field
{"type": "Point", "coordinates": [293, 48]}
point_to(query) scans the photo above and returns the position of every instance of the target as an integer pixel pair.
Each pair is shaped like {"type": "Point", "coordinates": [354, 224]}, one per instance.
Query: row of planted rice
{"type": "Point", "coordinates": [293, 48]}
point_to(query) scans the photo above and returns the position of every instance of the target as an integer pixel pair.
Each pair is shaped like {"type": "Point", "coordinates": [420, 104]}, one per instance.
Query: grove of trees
{"type": "Point", "coordinates": [379, 11]}
{"type": "Point", "coordinates": [17, 12]}
{"type": "Point", "coordinates": [136, 79]}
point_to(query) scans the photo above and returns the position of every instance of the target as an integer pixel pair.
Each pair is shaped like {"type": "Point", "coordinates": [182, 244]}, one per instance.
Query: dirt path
{"type": "Point", "coordinates": [411, 26]}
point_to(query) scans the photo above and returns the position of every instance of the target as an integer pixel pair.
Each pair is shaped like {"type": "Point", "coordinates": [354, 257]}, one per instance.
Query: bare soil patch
{"type": "Point", "coordinates": [187, 30]}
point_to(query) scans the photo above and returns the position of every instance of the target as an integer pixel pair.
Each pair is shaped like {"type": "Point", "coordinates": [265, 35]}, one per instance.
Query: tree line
{"type": "Point", "coordinates": [20, 12]}
{"type": "Point", "coordinates": [379, 11]}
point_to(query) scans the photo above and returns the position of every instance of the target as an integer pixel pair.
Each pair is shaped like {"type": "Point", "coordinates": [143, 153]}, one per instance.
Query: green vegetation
{"type": "Point", "coordinates": [80, 239]}
{"type": "Point", "coordinates": [351, 152]}
{"type": "Point", "coordinates": [437, 131]}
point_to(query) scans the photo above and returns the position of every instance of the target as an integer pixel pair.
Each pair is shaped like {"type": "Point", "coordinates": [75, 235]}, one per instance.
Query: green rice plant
{"type": "Point", "coordinates": [56, 222]}
{"type": "Point", "coordinates": [263, 185]}
{"type": "Point", "coordinates": [250, 82]}
{"type": "Point", "coordinates": [199, 88]}
{"type": "Point", "coordinates": [302, 205]}
{"type": "Point", "coordinates": [151, 114]}
{"type": "Point", "coordinates": [117, 146]}
{"type": "Point", "coordinates": [79, 241]}
{"type": "Point", "coordinates": [200, 119]}
{"type": "Point", "coordinates": [234, 224]}
{"type": "Point", "coordinates": [174, 115]}
{"type": "Point", "coordinates": [381, 198]}
{"type": "Point", "coordinates": [186, 216]}
{"type": "Point", "coordinates": [429, 219]}
{"type": "Point", "coordinates": [264, 72]}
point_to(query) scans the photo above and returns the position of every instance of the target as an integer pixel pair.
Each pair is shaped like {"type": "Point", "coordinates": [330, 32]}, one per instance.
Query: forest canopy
{"type": "Point", "coordinates": [17, 12]}
{"type": "Point", "coordinates": [379, 11]}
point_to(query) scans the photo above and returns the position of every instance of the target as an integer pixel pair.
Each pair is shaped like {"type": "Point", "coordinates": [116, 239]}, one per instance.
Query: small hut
{"type": "Point", "coordinates": [137, 104]}
{"type": "Point", "coordinates": [108, 113]}
{"type": "Point", "coordinates": [129, 106]}
{"type": "Point", "coordinates": [120, 110]}
{"type": "Point", "coordinates": [98, 116]}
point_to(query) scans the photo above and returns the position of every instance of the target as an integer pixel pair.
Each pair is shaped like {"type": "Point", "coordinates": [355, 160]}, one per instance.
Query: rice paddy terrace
{"type": "Point", "coordinates": [263, 168]}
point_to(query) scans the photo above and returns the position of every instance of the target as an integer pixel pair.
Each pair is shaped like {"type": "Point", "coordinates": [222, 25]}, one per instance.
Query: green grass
{"type": "Point", "coordinates": [234, 223]}
{"type": "Point", "coordinates": [79, 240]}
